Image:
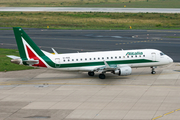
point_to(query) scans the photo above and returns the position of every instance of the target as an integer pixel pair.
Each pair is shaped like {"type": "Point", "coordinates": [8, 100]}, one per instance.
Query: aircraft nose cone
{"type": "Point", "coordinates": [170, 60]}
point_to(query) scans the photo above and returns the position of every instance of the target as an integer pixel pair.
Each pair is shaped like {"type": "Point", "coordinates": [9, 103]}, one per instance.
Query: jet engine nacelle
{"type": "Point", "coordinates": [17, 61]}
{"type": "Point", "coordinates": [126, 70]}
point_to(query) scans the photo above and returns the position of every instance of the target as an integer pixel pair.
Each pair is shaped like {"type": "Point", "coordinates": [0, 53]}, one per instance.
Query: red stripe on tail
{"type": "Point", "coordinates": [33, 56]}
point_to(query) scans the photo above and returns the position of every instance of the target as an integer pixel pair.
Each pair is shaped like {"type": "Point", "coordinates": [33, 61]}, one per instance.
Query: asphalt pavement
{"type": "Point", "coordinates": [70, 41]}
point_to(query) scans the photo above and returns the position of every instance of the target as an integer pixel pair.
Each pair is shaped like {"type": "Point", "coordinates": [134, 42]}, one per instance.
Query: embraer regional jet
{"type": "Point", "coordinates": [117, 62]}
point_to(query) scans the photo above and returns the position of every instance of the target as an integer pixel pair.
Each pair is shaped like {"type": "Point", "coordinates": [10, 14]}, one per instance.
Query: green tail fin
{"type": "Point", "coordinates": [24, 42]}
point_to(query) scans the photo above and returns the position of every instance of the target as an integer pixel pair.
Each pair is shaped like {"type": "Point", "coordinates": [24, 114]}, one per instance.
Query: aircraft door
{"type": "Point", "coordinates": [153, 56]}
{"type": "Point", "coordinates": [57, 62]}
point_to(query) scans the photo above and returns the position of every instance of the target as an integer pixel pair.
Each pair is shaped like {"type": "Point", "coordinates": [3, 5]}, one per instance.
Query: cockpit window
{"type": "Point", "coordinates": [162, 54]}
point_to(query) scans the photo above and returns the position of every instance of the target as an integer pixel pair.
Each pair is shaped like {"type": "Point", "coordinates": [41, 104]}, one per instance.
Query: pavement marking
{"type": "Point", "coordinates": [166, 114]}
{"type": "Point", "coordinates": [65, 39]}
{"type": "Point", "coordinates": [40, 83]}
{"type": "Point", "coordinates": [64, 83]}
{"type": "Point", "coordinates": [177, 109]}
{"type": "Point", "coordinates": [169, 113]}
{"type": "Point", "coordinates": [161, 31]}
{"type": "Point", "coordinates": [54, 47]}
{"type": "Point", "coordinates": [154, 40]}
{"type": "Point", "coordinates": [157, 117]}
{"type": "Point", "coordinates": [83, 84]}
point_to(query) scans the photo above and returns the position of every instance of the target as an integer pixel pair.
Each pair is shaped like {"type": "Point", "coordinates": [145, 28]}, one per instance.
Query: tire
{"type": "Point", "coordinates": [102, 76]}
{"type": "Point", "coordinates": [153, 72]}
{"type": "Point", "coordinates": [91, 73]}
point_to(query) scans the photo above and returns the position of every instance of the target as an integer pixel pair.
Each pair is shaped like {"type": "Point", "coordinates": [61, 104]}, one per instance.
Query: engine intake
{"type": "Point", "coordinates": [123, 71]}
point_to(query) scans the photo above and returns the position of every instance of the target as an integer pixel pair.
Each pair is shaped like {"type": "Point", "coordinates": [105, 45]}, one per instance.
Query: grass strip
{"type": "Point", "coordinates": [90, 20]}
{"type": "Point", "coordinates": [6, 65]}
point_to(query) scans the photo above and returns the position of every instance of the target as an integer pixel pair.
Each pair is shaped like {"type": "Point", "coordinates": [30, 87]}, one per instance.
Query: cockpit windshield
{"type": "Point", "coordinates": [162, 54]}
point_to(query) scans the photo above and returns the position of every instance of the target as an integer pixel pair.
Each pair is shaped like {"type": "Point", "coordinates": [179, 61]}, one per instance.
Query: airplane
{"type": "Point", "coordinates": [118, 62]}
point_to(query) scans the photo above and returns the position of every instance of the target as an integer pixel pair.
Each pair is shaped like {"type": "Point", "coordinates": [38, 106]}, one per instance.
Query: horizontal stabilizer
{"type": "Point", "coordinates": [13, 56]}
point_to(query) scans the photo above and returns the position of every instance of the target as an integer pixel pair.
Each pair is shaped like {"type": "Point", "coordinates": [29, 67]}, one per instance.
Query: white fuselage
{"type": "Point", "coordinates": [91, 60]}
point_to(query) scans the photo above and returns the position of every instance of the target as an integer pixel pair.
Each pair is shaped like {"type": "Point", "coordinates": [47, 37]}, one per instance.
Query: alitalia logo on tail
{"type": "Point", "coordinates": [32, 55]}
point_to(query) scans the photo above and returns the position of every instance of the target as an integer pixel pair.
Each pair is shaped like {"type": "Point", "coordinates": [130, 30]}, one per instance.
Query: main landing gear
{"type": "Point", "coordinates": [91, 73]}
{"type": "Point", "coordinates": [153, 70]}
{"type": "Point", "coordinates": [102, 76]}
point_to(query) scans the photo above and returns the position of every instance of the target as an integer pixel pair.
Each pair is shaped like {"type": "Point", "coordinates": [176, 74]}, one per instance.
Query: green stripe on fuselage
{"type": "Point", "coordinates": [86, 64]}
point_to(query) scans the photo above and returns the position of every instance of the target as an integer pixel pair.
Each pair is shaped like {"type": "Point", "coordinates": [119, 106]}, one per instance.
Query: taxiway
{"type": "Point", "coordinates": [53, 95]}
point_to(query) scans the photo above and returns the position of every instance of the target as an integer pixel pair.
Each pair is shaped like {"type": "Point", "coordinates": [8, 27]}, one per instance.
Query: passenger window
{"type": "Point", "coordinates": [107, 57]}
{"type": "Point", "coordinates": [136, 56]}
{"type": "Point", "coordinates": [98, 58]}
{"type": "Point", "coordinates": [123, 56]}
{"type": "Point", "coordinates": [139, 55]}
{"type": "Point", "coordinates": [111, 57]}
{"type": "Point", "coordinates": [76, 59]}
{"type": "Point", "coordinates": [64, 60]}
{"type": "Point", "coordinates": [94, 58]}
{"type": "Point", "coordinates": [72, 59]}
{"type": "Point", "coordinates": [115, 57]}
{"type": "Point", "coordinates": [127, 56]}
{"type": "Point", "coordinates": [132, 56]}
{"type": "Point", "coordinates": [68, 60]}
{"type": "Point", "coordinates": [89, 58]}
{"type": "Point", "coordinates": [143, 55]}
{"type": "Point", "coordinates": [81, 59]}
{"type": "Point", "coordinates": [119, 56]}
{"type": "Point", "coordinates": [102, 57]}
{"type": "Point", "coordinates": [85, 58]}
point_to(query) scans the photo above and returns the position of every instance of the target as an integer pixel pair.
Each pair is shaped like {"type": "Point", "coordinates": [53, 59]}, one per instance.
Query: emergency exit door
{"type": "Point", "coordinates": [153, 56]}
{"type": "Point", "coordinates": [57, 62]}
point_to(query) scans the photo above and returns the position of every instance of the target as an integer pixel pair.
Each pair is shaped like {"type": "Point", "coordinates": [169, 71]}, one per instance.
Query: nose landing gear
{"type": "Point", "coordinates": [153, 70]}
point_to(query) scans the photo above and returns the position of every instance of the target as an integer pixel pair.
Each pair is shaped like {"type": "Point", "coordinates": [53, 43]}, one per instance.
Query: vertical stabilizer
{"type": "Point", "coordinates": [28, 50]}
{"type": "Point", "coordinates": [25, 45]}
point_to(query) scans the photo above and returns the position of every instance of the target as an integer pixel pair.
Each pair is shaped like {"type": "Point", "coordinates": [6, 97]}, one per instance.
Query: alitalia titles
{"type": "Point", "coordinates": [134, 53]}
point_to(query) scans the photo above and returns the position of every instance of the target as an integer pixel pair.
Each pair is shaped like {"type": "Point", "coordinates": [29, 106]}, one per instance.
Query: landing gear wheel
{"type": "Point", "coordinates": [153, 72]}
{"type": "Point", "coordinates": [102, 76]}
{"type": "Point", "coordinates": [91, 73]}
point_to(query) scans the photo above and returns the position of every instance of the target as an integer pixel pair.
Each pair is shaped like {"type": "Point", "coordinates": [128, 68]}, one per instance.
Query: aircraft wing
{"type": "Point", "coordinates": [106, 68]}
{"type": "Point", "coordinates": [13, 56]}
